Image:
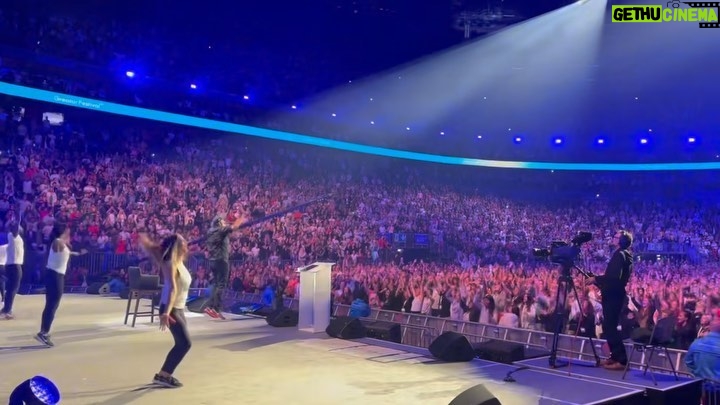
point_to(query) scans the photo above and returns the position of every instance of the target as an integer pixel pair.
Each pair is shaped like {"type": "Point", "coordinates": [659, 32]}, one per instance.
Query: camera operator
{"type": "Point", "coordinates": [612, 286]}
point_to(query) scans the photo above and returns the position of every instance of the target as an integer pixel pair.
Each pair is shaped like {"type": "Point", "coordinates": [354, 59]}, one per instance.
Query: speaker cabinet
{"type": "Point", "coordinates": [477, 395]}
{"type": "Point", "coordinates": [500, 351]}
{"type": "Point", "coordinates": [384, 330]}
{"type": "Point", "coordinates": [98, 288]}
{"type": "Point", "coordinates": [345, 327]}
{"type": "Point", "coordinates": [452, 347]}
{"type": "Point", "coordinates": [197, 304]}
{"type": "Point", "coordinates": [282, 318]}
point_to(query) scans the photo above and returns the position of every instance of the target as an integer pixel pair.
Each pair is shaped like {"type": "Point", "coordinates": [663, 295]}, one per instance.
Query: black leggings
{"type": "Point", "coordinates": [2, 282]}
{"type": "Point", "coordinates": [54, 286]}
{"type": "Point", "coordinates": [13, 272]}
{"type": "Point", "coordinates": [182, 341]}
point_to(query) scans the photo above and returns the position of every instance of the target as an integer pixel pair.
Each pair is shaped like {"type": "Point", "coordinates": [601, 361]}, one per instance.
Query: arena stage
{"type": "Point", "coordinates": [99, 360]}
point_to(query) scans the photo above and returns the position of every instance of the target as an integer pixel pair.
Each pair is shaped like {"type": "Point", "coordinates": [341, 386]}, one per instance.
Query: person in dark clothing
{"type": "Point", "coordinates": [218, 248]}
{"type": "Point", "coordinates": [612, 287]}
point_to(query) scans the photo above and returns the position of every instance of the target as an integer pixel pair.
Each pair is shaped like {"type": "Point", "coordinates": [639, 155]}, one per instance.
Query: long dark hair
{"type": "Point", "coordinates": [58, 229]}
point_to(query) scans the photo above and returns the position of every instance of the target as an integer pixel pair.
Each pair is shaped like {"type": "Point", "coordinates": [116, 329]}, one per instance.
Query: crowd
{"type": "Point", "coordinates": [161, 179]}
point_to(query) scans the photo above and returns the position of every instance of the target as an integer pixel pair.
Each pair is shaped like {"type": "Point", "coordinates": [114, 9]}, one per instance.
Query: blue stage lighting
{"type": "Point", "coordinates": [37, 390]}
{"type": "Point", "coordinates": [558, 140]}
{"type": "Point", "coordinates": [193, 86]}
{"type": "Point", "coordinates": [600, 141]}
{"type": "Point", "coordinates": [691, 139]}
{"type": "Point", "coordinates": [130, 74]}
{"type": "Point", "coordinates": [517, 139]}
{"type": "Point", "coordinates": [644, 141]}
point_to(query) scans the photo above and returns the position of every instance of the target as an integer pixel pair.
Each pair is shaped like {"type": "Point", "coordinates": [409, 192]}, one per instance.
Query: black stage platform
{"type": "Point", "coordinates": [667, 391]}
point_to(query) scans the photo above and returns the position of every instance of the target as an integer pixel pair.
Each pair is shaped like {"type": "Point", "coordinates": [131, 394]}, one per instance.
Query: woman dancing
{"type": "Point", "coordinates": [57, 262]}
{"type": "Point", "coordinates": [169, 256]}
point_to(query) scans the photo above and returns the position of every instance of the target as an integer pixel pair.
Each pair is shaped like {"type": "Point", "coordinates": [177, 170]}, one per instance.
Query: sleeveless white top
{"type": "Point", "coordinates": [3, 255]}
{"type": "Point", "coordinates": [58, 261]}
{"type": "Point", "coordinates": [15, 250]}
{"type": "Point", "coordinates": [183, 279]}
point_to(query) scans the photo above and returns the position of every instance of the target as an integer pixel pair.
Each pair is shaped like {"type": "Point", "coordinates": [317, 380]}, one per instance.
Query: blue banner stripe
{"type": "Point", "coordinates": [121, 109]}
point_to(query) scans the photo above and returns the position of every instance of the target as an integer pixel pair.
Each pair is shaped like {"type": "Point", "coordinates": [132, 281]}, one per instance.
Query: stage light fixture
{"type": "Point", "coordinates": [38, 390]}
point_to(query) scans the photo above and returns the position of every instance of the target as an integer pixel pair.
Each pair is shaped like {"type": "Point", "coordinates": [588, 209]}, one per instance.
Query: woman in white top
{"type": "Point", "coordinates": [169, 256]}
{"type": "Point", "coordinates": [57, 262]}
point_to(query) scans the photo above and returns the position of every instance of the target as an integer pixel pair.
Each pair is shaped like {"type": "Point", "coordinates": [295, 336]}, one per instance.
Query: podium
{"type": "Point", "coordinates": [314, 304]}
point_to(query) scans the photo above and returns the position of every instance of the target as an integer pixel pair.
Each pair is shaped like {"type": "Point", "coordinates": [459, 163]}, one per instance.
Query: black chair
{"type": "Point", "coordinates": [141, 286]}
{"type": "Point", "coordinates": [660, 338]}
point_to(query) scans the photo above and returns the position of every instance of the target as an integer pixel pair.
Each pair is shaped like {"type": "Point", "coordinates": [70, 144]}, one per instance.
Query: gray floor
{"type": "Point", "coordinates": [98, 360]}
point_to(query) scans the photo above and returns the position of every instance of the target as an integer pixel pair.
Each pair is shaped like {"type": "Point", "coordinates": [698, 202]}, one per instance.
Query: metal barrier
{"type": "Point", "coordinates": [421, 330]}
{"type": "Point", "coordinates": [568, 345]}
{"type": "Point", "coordinates": [413, 331]}
{"type": "Point", "coordinates": [200, 292]}
{"type": "Point", "coordinates": [711, 392]}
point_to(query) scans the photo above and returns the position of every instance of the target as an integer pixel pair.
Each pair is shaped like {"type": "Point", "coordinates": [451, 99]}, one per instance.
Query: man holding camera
{"type": "Point", "coordinates": [612, 286]}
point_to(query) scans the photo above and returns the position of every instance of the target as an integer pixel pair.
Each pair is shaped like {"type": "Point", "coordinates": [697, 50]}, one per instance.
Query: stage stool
{"type": "Point", "coordinates": [141, 286]}
{"type": "Point", "coordinates": [660, 338]}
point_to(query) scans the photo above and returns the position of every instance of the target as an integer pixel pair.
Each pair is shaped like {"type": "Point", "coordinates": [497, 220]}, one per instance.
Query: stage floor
{"type": "Point", "coordinates": [633, 379]}
{"type": "Point", "coordinates": [98, 360]}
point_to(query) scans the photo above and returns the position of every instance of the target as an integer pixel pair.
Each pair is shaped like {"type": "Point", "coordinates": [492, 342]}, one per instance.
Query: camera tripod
{"type": "Point", "coordinates": [565, 285]}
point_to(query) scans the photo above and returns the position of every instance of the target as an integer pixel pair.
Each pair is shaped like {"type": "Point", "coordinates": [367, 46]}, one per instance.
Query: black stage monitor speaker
{"type": "Point", "coordinates": [500, 351]}
{"type": "Point", "coordinates": [345, 327]}
{"type": "Point", "coordinates": [197, 304]}
{"type": "Point", "coordinates": [282, 318]}
{"type": "Point", "coordinates": [98, 288]}
{"type": "Point", "coordinates": [477, 395]}
{"type": "Point", "coordinates": [452, 347]}
{"type": "Point", "coordinates": [384, 330]}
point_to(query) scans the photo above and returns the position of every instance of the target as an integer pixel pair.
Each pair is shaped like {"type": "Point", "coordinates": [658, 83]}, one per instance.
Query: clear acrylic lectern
{"type": "Point", "coordinates": [314, 303]}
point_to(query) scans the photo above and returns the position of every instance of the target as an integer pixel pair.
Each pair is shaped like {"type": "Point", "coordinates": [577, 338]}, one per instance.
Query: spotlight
{"type": "Point", "coordinates": [600, 141]}
{"type": "Point", "coordinates": [517, 139]}
{"type": "Point", "coordinates": [294, 107]}
{"type": "Point", "coordinates": [558, 140]}
{"type": "Point", "coordinates": [37, 390]}
{"type": "Point", "coordinates": [644, 141]}
{"type": "Point", "coordinates": [130, 74]}
{"type": "Point", "coordinates": [246, 97]}
{"type": "Point", "coordinates": [193, 86]}
{"type": "Point", "coordinates": [691, 139]}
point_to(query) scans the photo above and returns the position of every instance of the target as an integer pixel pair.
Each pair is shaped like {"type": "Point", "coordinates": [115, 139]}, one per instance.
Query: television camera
{"type": "Point", "coordinates": [564, 253]}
